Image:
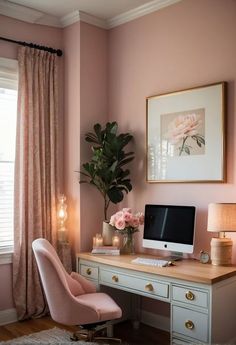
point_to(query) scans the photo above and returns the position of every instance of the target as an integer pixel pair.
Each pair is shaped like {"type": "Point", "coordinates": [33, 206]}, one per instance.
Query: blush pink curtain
{"type": "Point", "coordinates": [35, 173]}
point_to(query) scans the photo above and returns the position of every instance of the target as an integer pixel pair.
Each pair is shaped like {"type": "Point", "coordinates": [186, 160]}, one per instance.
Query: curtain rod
{"type": "Point", "coordinates": [36, 46]}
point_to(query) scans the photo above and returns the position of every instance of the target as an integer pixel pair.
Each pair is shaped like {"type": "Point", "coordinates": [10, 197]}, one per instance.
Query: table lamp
{"type": "Point", "coordinates": [221, 219]}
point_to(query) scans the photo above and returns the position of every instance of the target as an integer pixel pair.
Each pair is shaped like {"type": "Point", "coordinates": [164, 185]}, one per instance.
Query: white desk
{"type": "Point", "coordinates": [202, 297]}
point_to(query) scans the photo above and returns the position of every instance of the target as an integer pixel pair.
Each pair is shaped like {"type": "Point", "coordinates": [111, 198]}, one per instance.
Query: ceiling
{"type": "Point", "coordinates": [60, 13]}
{"type": "Point", "coordinates": [104, 9]}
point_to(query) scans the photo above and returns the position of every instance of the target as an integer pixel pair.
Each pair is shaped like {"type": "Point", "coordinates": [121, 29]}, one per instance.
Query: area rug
{"type": "Point", "coordinates": [54, 336]}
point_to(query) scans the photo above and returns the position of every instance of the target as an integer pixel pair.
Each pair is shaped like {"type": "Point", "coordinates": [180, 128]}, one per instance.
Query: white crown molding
{"type": "Point", "coordinates": [37, 17]}
{"type": "Point", "coordinates": [27, 14]}
{"type": "Point", "coordinates": [70, 18]}
{"type": "Point", "coordinates": [48, 20]}
{"type": "Point", "coordinates": [77, 15]}
{"type": "Point", "coordinates": [19, 12]}
{"type": "Point", "coordinates": [87, 18]}
{"type": "Point", "coordinates": [125, 17]}
{"type": "Point", "coordinates": [139, 12]}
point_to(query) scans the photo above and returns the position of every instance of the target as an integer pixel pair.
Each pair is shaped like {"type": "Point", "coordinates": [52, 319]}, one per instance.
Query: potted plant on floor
{"type": "Point", "coordinates": [106, 169]}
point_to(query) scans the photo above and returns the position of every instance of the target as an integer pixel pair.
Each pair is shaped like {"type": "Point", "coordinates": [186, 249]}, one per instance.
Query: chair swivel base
{"type": "Point", "coordinates": [90, 335]}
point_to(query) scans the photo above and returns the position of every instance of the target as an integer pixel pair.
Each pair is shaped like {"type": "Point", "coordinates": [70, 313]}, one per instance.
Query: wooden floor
{"type": "Point", "coordinates": [145, 335]}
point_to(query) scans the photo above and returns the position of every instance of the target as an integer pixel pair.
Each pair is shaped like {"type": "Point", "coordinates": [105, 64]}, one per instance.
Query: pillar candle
{"type": "Point", "coordinates": [115, 241]}
{"type": "Point", "coordinates": [99, 241]}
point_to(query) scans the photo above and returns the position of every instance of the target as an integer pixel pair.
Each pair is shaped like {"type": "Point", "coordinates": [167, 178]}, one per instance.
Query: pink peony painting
{"type": "Point", "coordinates": [186, 135]}
{"type": "Point", "coordinates": [185, 132]}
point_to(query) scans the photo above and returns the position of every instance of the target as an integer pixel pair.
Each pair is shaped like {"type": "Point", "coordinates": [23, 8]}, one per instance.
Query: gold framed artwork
{"type": "Point", "coordinates": [186, 135]}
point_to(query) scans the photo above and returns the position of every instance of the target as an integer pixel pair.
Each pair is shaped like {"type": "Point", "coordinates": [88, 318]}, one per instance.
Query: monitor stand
{"type": "Point", "coordinates": [175, 256]}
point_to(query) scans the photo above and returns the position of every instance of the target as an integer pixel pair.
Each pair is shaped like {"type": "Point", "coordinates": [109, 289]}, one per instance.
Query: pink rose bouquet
{"type": "Point", "coordinates": [126, 222]}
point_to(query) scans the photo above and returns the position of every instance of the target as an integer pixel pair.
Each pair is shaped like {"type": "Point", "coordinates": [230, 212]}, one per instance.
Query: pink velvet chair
{"type": "Point", "coordinates": [72, 299]}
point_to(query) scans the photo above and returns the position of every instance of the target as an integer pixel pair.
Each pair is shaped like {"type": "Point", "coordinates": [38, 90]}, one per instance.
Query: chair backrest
{"type": "Point", "coordinates": [59, 287]}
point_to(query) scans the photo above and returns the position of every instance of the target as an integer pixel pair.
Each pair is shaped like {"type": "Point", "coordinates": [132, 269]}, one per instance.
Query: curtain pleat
{"type": "Point", "coordinates": [36, 182]}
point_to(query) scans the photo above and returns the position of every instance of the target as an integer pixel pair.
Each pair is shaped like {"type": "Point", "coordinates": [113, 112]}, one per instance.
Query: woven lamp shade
{"type": "Point", "coordinates": [221, 217]}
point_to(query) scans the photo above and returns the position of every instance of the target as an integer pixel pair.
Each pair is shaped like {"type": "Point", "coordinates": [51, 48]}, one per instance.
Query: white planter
{"type": "Point", "coordinates": [107, 233]}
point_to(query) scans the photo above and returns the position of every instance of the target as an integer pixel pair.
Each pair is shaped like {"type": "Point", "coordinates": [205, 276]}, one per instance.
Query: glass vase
{"type": "Point", "coordinates": [128, 244]}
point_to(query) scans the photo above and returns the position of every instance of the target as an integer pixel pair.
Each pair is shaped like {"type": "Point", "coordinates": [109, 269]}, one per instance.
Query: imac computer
{"type": "Point", "coordinates": [169, 228]}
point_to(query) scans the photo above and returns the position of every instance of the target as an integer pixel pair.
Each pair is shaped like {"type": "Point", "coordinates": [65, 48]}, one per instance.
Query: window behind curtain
{"type": "Point", "coordinates": [8, 103]}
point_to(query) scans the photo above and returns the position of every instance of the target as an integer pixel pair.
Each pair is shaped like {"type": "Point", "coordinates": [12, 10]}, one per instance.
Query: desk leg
{"type": "Point", "coordinates": [135, 310]}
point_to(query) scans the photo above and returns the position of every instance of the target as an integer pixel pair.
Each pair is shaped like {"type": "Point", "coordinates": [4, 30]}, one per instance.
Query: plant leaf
{"type": "Point", "coordinates": [115, 195]}
{"type": "Point", "coordinates": [186, 149]}
{"type": "Point", "coordinates": [98, 131]}
{"type": "Point", "coordinates": [201, 140]}
{"type": "Point", "coordinates": [125, 161]}
{"type": "Point", "coordinates": [199, 144]}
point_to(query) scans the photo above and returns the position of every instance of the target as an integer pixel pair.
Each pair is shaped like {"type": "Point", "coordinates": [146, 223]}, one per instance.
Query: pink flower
{"type": "Point", "coordinates": [127, 216]}
{"type": "Point", "coordinates": [182, 126]}
{"type": "Point", "coordinates": [113, 220]}
{"type": "Point", "coordinates": [120, 224]}
{"type": "Point", "coordinates": [134, 222]}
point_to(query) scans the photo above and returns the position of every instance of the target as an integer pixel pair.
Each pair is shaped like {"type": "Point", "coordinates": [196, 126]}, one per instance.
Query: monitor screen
{"type": "Point", "coordinates": [169, 227]}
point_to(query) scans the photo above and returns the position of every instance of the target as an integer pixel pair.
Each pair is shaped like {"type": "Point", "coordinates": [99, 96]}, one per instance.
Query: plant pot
{"type": "Point", "coordinates": [108, 232]}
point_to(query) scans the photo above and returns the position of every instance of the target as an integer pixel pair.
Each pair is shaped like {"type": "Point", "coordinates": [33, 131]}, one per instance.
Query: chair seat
{"type": "Point", "coordinates": [103, 304]}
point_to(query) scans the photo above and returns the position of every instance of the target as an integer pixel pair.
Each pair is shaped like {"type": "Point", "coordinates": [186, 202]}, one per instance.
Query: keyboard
{"type": "Point", "coordinates": [151, 262]}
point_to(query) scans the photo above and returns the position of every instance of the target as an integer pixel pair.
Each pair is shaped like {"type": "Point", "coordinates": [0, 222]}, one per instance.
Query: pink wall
{"type": "Point", "coordinates": [93, 109]}
{"type": "Point", "coordinates": [43, 35]}
{"type": "Point", "coordinates": [85, 104]}
{"type": "Point", "coordinates": [71, 37]}
{"type": "Point", "coordinates": [187, 44]}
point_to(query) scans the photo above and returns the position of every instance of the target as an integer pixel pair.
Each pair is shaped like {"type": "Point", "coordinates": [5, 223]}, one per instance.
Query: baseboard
{"type": "Point", "coordinates": [7, 316]}
{"type": "Point", "coordinates": [155, 320]}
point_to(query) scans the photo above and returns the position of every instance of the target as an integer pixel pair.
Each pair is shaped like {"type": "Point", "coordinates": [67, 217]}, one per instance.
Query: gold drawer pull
{"type": "Point", "coordinates": [189, 324]}
{"type": "Point", "coordinates": [190, 296]}
{"type": "Point", "coordinates": [88, 271]}
{"type": "Point", "coordinates": [115, 279]}
{"type": "Point", "coordinates": [149, 287]}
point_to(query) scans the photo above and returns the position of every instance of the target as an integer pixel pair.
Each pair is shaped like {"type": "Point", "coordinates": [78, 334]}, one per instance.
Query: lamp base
{"type": "Point", "coordinates": [221, 251]}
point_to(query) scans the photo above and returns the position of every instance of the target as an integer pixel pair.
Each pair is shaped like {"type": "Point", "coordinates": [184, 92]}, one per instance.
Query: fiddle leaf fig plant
{"type": "Point", "coordinates": [106, 169]}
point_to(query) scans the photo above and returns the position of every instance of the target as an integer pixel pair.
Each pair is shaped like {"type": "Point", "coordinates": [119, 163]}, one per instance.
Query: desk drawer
{"type": "Point", "coordinates": [190, 323]}
{"type": "Point", "coordinates": [190, 296]}
{"type": "Point", "coordinates": [89, 271]}
{"type": "Point", "coordinates": [150, 287]}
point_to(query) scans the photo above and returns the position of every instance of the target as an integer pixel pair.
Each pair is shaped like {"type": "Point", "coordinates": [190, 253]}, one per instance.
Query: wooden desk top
{"type": "Point", "coordinates": [191, 270]}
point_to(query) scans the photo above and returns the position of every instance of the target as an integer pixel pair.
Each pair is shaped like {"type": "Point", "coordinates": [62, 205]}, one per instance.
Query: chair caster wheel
{"type": "Point", "coordinates": [74, 337]}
